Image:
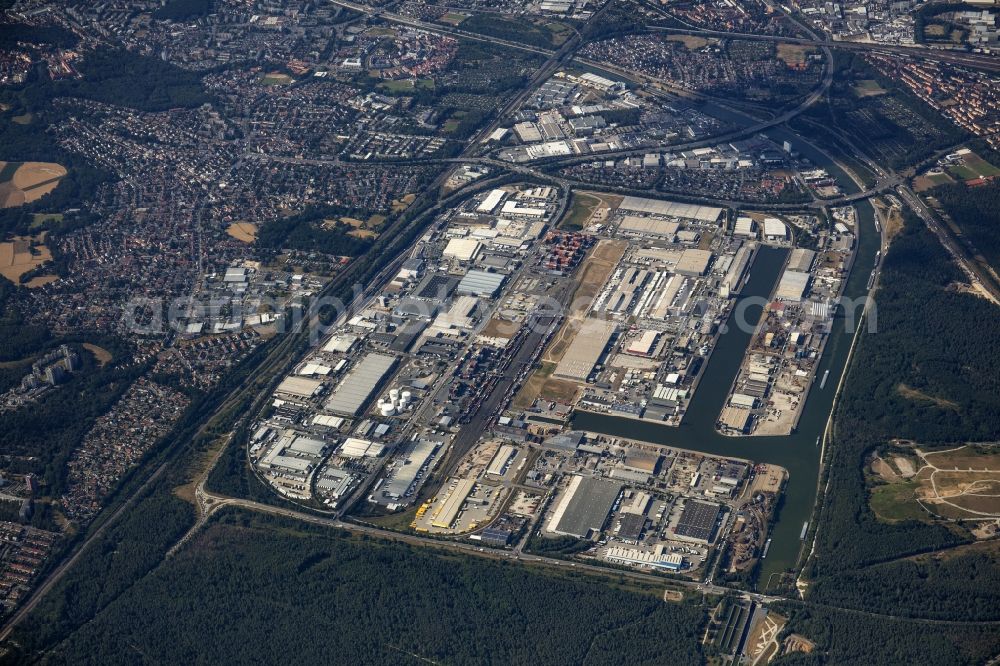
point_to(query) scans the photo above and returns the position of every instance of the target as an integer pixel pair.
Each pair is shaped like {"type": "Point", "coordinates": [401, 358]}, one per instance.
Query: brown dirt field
{"type": "Point", "coordinates": [966, 457]}
{"type": "Point", "coordinates": [798, 643]}
{"type": "Point", "coordinates": [16, 257]}
{"type": "Point", "coordinates": [610, 200]}
{"type": "Point", "coordinates": [884, 470]}
{"type": "Point", "coordinates": [794, 55]}
{"type": "Point", "coordinates": [30, 174]}
{"type": "Point", "coordinates": [10, 196]}
{"type": "Point", "coordinates": [244, 232]}
{"type": "Point", "coordinates": [596, 270]}
{"type": "Point", "coordinates": [101, 354]}
{"type": "Point", "coordinates": [36, 193]}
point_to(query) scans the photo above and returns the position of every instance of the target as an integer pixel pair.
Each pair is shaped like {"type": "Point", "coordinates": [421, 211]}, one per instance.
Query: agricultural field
{"type": "Point", "coordinates": [24, 182]}
{"type": "Point", "coordinates": [453, 18]}
{"type": "Point", "coordinates": [961, 483]}
{"type": "Point", "coordinates": [23, 254]}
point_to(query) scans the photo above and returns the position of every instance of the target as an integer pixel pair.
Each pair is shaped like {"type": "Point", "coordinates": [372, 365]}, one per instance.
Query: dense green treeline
{"type": "Point", "coordinates": [976, 211]}
{"type": "Point", "coordinates": [180, 10]}
{"type": "Point", "coordinates": [945, 346]}
{"type": "Point", "coordinates": [140, 82]}
{"type": "Point", "coordinates": [110, 566]}
{"type": "Point", "coordinates": [306, 231]}
{"type": "Point", "coordinates": [18, 339]}
{"type": "Point", "coordinates": [274, 590]}
{"type": "Point", "coordinates": [962, 587]}
{"type": "Point", "coordinates": [848, 638]}
{"type": "Point", "coordinates": [44, 435]}
{"type": "Point", "coordinates": [922, 341]}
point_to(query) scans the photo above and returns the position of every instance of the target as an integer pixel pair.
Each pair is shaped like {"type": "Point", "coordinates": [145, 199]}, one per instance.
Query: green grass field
{"type": "Point", "coordinates": [453, 18]}
{"type": "Point", "coordinates": [868, 88]}
{"type": "Point", "coordinates": [405, 85]}
{"type": "Point", "coordinates": [41, 219]}
{"type": "Point", "coordinates": [896, 502]}
{"type": "Point", "coordinates": [581, 208]}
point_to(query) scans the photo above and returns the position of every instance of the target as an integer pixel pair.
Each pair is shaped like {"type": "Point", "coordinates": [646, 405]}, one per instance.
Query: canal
{"type": "Point", "coordinates": [797, 453]}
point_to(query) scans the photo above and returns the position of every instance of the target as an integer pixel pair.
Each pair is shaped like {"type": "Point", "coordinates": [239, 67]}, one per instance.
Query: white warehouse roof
{"type": "Point", "coordinates": [357, 387]}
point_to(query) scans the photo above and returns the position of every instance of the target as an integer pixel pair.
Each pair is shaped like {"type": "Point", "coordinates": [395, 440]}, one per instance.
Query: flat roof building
{"type": "Point", "coordinates": [445, 516]}
{"type": "Point", "coordinates": [481, 283]}
{"type": "Point", "coordinates": [698, 520]}
{"type": "Point", "coordinates": [299, 387]}
{"type": "Point", "coordinates": [356, 389]}
{"type": "Point", "coordinates": [648, 226]}
{"type": "Point", "coordinates": [705, 214]}
{"type": "Point", "coordinates": [463, 249]}
{"type": "Point", "coordinates": [792, 286]}
{"type": "Point", "coordinates": [586, 349]}
{"type": "Point", "coordinates": [500, 460]}
{"type": "Point", "coordinates": [584, 507]}
{"type": "Point", "coordinates": [693, 262]}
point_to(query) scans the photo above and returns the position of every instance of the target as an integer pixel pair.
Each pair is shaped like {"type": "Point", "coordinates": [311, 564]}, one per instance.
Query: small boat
{"type": "Point", "coordinates": [826, 376]}
{"type": "Point", "coordinates": [802, 534]}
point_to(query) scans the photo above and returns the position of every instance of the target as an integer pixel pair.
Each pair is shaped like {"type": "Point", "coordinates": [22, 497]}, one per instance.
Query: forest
{"type": "Point", "coordinates": [976, 211]}
{"type": "Point", "coordinates": [305, 231]}
{"type": "Point", "coordinates": [181, 10]}
{"type": "Point", "coordinates": [44, 436]}
{"type": "Point", "coordinates": [962, 587]}
{"type": "Point", "coordinates": [845, 637]}
{"type": "Point", "coordinates": [275, 590]}
{"type": "Point", "coordinates": [922, 341]}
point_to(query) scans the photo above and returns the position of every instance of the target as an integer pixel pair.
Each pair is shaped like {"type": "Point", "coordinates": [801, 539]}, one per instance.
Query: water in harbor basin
{"type": "Point", "coordinates": [798, 453]}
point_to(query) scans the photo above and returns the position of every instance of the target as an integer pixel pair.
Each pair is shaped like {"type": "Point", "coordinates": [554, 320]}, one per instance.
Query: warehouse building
{"type": "Point", "coordinates": [299, 387]}
{"type": "Point", "coordinates": [801, 259]}
{"type": "Point", "coordinates": [703, 214]}
{"type": "Point", "coordinates": [655, 559]}
{"type": "Point", "coordinates": [492, 200]}
{"type": "Point", "coordinates": [500, 461]}
{"type": "Point", "coordinates": [404, 475]}
{"type": "Point", "coordinates": [733, 282]}
{"type": "Point", "coordinates": [775, 229]}
{"type": "Point", "coordinates": [745, 227]}
{"type": "Point", "coordinates": [446, 514]}
{"type": "Point", "coordinates": [584, 507]}
{"type": "Point", "coordinates": [698, 520]}
{"type": "Point", "coordinates": [693, 262]}
{"type": "Point", "coordinates": [463, 249]}
{"type": "Point", "coordinates": [481, 283]}
{"type": "Point", "coordinates": [648, 226]}
{"type": "Point", "coordinates": [354, 447]}
{"type": "Point", "coordinates": [792, 286]}
{"type": "Point", "coordinates": [356, 389]}
{"type": "Point", "coordinates": [586, 349]}
{"type": "Point", "coordinates": [340, 344]}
